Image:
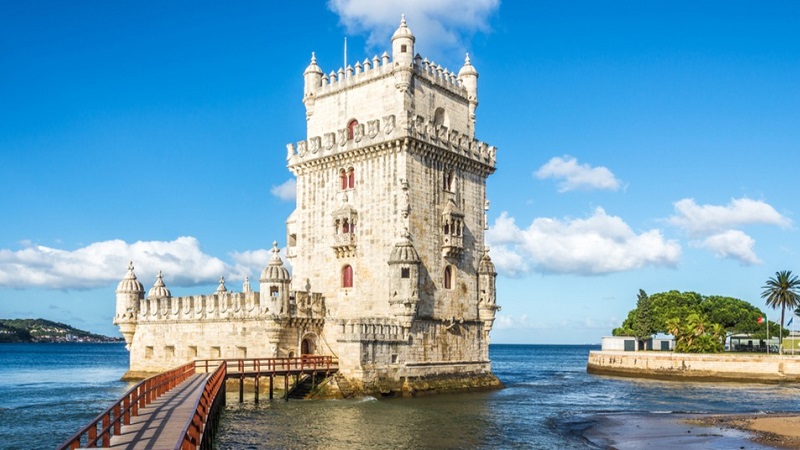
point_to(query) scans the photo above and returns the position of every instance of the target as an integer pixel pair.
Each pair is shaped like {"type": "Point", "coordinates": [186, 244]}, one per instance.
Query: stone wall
{"type": "Point", "coordinates": [704, 367]}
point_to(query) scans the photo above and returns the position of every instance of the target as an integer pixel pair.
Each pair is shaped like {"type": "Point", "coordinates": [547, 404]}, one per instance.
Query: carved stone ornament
{"type": "Point", "coordinates": [314, 144]}
{"type": "Point", "coordinates": [372, 128]}
{"type": "Point", "coordinates": [328, 140]}
{"type": "Point", "coordinates": [302, 146]}
{"type": "Point", "coordinates": [342, 137]}
{"type": "Point", "coordinates": [358, 132]}
{"type": "Point", "coordinates": [289, 151]}
{"type": "Point", "coordinates": [389, 124]}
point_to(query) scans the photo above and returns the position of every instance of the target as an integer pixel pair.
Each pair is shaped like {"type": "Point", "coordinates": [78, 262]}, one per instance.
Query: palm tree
{"type": "Point", "coordinates": [782, 291]}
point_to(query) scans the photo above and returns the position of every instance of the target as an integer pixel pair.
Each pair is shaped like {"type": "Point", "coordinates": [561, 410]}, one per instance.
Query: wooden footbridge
{"type": "Point", "coordinates": [179, 409]}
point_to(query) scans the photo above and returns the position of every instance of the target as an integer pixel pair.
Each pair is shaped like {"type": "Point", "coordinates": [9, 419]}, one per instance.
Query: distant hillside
{"type": "Point", "coordinates": [41, 330]}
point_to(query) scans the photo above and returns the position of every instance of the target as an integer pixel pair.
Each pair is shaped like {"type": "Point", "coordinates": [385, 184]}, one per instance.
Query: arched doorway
{"type": "Point", "coordinates": [308, 345]}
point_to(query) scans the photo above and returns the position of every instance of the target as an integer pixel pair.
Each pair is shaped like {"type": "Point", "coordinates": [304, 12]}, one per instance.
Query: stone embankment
{"type": "Point", "coordinates": [733, 367]}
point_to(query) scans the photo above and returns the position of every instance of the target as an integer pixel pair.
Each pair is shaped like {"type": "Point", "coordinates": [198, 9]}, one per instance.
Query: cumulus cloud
{"type": "Point", "coordinates": [285, 191]}
{"type": "Point", "coordinates": [438, 25]}
{"type": "Point", "coordinates": [701, 220]}
{"type": "Point", "coordinates": [596, 245]}
{"type": "Point", "coordinates": [731, 244]}
{"type": "Point", "coordinates": [103, 263]}
{"type": "Point", "coordinates": [576, 176]}
{"type": "Point", "coordinates": [715, 227]}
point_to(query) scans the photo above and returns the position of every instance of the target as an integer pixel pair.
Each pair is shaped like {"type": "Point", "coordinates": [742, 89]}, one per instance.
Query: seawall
{"type": "Point", "coordinates": [696, 367]}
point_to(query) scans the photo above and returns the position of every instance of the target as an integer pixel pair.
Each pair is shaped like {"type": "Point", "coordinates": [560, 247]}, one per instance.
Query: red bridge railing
{"type": "Point", "coordinates": [277, 366]}
{"type": "Point", "coordinates": [202, 426]}
{"type": "Point", "coordinates": [109, 423]}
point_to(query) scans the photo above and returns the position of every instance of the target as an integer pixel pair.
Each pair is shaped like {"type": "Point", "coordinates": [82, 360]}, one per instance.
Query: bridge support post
{"type": "Point", "coordinates": [241, 389]}
{"type": "Point", "coordinates": [286, 386]}
{"type": "Point", "coordinates": [256, 387]}
{"type": "Point", "coordinates": [271, 380]}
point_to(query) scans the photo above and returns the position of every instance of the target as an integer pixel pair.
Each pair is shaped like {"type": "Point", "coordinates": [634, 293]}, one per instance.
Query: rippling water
{"type": "Point", "coordinates": [48, 391]}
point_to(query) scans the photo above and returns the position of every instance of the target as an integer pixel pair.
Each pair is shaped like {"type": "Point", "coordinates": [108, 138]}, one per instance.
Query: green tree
{"type": "Point", "coordinates": [782, 291]}
{"type": "Point", "coordinates": [643, 325]}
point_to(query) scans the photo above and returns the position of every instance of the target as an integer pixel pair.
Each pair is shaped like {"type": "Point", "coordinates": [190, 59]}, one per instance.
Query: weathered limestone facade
{"type": "Point", "coordinates": [390, 273]}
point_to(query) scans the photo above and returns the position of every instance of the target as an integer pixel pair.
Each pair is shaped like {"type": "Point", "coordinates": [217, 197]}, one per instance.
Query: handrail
{"type": "Point", "coordinates": [196, 431]}
{"type": "Point", "coordinates": [120, 413]}
{"type": "Point", "coordinates": [147, 391]}
{"type": "Point", "coordinates": [272, 365]}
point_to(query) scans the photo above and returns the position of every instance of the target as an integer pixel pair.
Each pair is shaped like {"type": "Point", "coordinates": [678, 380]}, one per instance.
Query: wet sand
{"type": "Point", "coordinates": [652, 430]}
{"type": "Point", "coordinates": [774, 430]}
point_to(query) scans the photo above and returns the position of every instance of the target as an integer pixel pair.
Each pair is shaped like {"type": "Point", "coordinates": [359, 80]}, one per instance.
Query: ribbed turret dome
{"type": "Point", "coordinates": [467, 69]}
{"type": "Point", "coordinates": [313, 67]}
{"type": "Point", "coordinates": [275, 272]}
{"type": "Point", "coordinates": [159, 289]}
{"type": "Point", "coordinates": [403, 31]}
{"type": "Point", "coordinates": [130, 283]}
{"type": "Point", "coordinates": [486, 265]}
{"type": "Point", "coordinates": [404, 252]}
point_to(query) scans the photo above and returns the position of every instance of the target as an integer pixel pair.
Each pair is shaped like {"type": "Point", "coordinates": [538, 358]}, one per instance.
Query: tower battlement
{"type": "Point", "coordinates": [371, 70]}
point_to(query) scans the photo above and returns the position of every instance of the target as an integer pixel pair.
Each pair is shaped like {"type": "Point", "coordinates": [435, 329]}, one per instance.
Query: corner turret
{"type": "Point", "coordinates": [469, 79]}
{"type": "Point", "coordinates": [487, 299]}
{"type": "Point", "coordinates": [313, 81]}
{"type": "Point", "coordinates": [404, 280]}
{"type": "Point", "coordinates": [403, 55]}
{"type": "Point", "coordinates": [275, 282]}
{"type": "Point", "coordinates": [129, 292]}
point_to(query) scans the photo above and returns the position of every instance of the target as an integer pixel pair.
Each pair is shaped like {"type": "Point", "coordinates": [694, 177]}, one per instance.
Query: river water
{"type": "Point", "coordinates": [48, 391]}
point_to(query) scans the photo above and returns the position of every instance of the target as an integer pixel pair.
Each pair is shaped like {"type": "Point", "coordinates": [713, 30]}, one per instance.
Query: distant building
{"type": "Point", "coordinates": [628, 344]}
{"type": "Point", "coordinates": [391, 274]}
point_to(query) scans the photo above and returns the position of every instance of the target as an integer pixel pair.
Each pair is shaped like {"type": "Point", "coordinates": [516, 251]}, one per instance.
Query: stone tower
{"type": "Point", "coordinates": [390, 219]}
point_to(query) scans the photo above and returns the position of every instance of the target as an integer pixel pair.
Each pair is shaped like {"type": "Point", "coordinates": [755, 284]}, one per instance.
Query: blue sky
{"type": "Point", "coordinates": [641, 145]}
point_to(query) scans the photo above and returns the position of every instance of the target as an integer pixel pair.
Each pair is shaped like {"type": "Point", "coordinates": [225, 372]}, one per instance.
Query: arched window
{"type": "Point", "coordinates": [345, 227]}
{"type": "Point", "coordinates": [343, 179]}
{"type": "Point", "coordinates": [351, 129]}
{"type": "Point", "coordinates": [347, 276]}
{"type": "Point", "coordinates": [351, 178]}
{"type": "Point", "coordinates": [448, 277]}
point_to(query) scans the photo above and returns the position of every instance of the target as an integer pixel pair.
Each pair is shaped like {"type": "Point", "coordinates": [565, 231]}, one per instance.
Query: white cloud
{"type": "Point", "coordinates": [714, 226]}
{"type": "Point", "coordinates": [438, 25]}
{"type": "Point", "coordinates": [576, 176]}
{"type": "Point", "coordinates": [702, 220]}
{"type": "Point", "coordinates": [251, 262]}
{"type": "Point", "coordinates": [286, 191]}
{"type": "Point", "coordinates": [732, 244]}
{"type": "Point", "coordinates": [104, 263]}
{"type": "Point", "coordinates": [596, 245]}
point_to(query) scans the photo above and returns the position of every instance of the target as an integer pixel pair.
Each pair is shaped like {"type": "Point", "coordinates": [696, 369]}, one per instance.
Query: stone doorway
{"type": "Point", "coordinates": [307, 346]}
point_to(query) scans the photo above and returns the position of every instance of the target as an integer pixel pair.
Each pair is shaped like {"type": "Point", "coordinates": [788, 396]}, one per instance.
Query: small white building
{"type": "Point", "coordinates": [628, 344]}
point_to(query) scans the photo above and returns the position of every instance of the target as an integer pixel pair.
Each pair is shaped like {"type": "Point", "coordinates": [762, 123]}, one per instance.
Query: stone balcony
{"type": "Point", "coordinates": [452, 246]}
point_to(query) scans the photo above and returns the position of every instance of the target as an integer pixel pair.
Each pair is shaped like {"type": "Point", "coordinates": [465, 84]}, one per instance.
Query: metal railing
{"type": "Point", "coordinates": [109, 423]}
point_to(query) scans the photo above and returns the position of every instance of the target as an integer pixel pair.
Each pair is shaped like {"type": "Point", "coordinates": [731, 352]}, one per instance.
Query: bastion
{"type": "Point", "coordinates": [390, 272]}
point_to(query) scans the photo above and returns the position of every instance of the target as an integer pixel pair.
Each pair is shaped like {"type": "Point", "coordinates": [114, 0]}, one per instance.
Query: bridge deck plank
{"type": "Point", "coordinates": [159, 425]}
